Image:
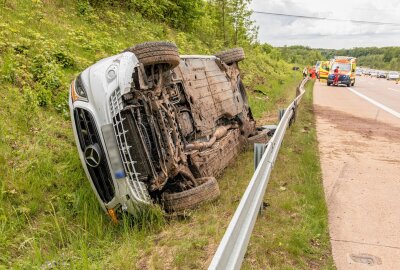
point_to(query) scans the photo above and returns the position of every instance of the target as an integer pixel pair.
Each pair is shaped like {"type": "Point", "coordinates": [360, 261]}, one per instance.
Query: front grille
{"type": "Point", "coordinates": [137, 187]}
{"type": "Point", "coordinates": [88, 135]}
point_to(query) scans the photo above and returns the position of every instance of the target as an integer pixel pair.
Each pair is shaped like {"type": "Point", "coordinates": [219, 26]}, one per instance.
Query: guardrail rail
{"type": "Point", "coordinates": [232, 248]}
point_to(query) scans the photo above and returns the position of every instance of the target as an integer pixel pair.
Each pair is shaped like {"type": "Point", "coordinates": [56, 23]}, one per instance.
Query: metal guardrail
{"type": "Point", "coordinates": [232, 248]}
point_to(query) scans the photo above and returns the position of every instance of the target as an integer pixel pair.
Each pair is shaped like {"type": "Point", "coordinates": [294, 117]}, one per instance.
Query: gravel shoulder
{"type": "Point", "coordinates": [359, 148]}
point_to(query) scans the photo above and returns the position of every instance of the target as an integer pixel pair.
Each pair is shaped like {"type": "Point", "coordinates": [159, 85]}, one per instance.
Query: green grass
{"type": "Point", "coordinates": [48, 212]}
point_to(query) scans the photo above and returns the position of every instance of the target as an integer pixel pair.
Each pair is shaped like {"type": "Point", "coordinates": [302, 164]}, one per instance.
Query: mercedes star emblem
{"type": "Point", "coordinates": [92, 155]}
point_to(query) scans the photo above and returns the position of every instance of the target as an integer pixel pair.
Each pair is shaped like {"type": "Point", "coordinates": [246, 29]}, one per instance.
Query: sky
{"type": "Point", "coordinates": [280, 31]}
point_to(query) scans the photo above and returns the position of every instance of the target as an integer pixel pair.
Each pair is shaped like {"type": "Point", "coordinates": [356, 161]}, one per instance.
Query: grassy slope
{"type": "Point", "coordinates": [48, 212]}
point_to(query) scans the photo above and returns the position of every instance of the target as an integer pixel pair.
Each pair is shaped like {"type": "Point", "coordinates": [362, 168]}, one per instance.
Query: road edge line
{"type": "Point", "coordinates": [376, 103]}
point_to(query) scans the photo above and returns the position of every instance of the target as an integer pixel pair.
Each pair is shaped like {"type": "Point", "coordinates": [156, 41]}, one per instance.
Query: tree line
{"type": "Point", "coordinates": [387, 58]}
{"type": "Point", "coordinates": [225, 22]}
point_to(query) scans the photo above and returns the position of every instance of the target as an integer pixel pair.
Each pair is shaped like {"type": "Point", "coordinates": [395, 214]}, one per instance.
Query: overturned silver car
{"type": "Point", "coordinates": [152, 126]}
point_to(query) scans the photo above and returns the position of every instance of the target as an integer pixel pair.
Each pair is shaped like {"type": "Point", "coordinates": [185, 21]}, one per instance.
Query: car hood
{"type": "Point", "coordinates": [104, 77]}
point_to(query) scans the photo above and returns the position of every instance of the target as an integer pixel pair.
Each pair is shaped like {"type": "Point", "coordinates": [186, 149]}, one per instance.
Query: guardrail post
{"type": "Point", "coordinates": [280, 114]}
{"type": "Point", "coordinates": [294, 108]}
{"type": "Point", "coordinates": [259, 149]}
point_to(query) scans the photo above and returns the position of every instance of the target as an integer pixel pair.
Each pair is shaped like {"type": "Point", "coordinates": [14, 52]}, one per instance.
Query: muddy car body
{"type": "Point", "coordinates": [153, 126]}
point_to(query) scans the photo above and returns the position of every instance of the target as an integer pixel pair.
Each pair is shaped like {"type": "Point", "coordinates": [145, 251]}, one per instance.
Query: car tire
{"type": "Point", "coordinates": [157, 52]}
{"type": "Point", "coordinates": [231, 56]}
{"type": "Point", "coordinates": [353, 83]}
{"type": "Point", "coordinates": [208, 190]}
{"type": "Point", "coordinates": [328, 84]}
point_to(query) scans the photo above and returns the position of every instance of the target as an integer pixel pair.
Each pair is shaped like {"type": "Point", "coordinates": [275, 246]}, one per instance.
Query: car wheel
{"type": "Point", "coordinates": [157, 52]}
{"type": "Point", "coordinates": [328, 84]}
{"type": "Point", "coordinates": [231, 56]}
{"type": "Point", "coordinates": [207, 190]}
{"type": "Point", "coordinates": [349, 84]}
{"type": "Point", "coordinates": [353, 83]}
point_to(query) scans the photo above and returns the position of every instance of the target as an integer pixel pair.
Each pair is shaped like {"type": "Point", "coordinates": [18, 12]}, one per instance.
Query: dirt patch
{"type": "Point", "coordinates": [364, 126]}
{"type": "Point", "coordinates": [268, 119]}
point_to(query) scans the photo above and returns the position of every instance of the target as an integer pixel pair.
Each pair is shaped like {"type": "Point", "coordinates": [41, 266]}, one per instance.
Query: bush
{"type": "Point", "coordinates": [46, 72]}
{"type": "Point", "coordinates": [44, 96]}
{"type": "Point", "coordinates": [84, 8]}
{"type": "Point", "coordinates": [64, 59]}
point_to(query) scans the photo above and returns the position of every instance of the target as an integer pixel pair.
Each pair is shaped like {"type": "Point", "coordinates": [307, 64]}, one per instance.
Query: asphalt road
{"type": "Point", "coordinates": [359, 141]}
{"type": "Point", "coordinates": [380, 90]}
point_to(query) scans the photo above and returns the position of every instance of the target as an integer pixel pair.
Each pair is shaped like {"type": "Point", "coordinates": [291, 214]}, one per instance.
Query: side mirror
{"type": "Point", "coordinates": [353, 70]}
{"type": "Point", "coordinates": [327, 69]}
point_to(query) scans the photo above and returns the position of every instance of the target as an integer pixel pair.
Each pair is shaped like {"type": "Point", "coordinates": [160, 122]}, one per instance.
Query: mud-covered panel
{"type": "Point", "coordinates": [213, 161]}
{"type": "Point", "coordinates": [210, 91]}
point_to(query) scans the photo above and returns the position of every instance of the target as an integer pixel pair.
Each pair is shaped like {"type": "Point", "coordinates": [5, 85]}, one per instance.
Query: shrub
{"type": "Point", "coordinates": [64, 59]}
{"type": "Point", "coordinates": [46, 72]}
{"type": "Point", "coordinates": [84, 8]}
{"type": "Point", "coordinates": [44, 96]}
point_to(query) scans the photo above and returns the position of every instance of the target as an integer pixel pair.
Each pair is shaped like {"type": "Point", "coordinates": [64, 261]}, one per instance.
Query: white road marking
{"type": "Point", "coordinates": [376, 103]}
{"type": "Point", "coordinates": [396, 90]}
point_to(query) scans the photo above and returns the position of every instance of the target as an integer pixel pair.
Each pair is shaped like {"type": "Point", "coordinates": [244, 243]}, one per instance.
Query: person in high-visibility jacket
{"type": "Point", "coordinates": [336, 72]}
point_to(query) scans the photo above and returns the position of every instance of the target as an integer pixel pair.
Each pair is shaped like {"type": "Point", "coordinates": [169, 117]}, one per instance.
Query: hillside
{"type": "Point", "coordinates": [48, 214]}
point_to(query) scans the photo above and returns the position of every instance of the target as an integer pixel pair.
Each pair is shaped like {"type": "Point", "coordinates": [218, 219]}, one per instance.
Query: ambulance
{"type": "Point", "coordinates": [347, 70]}
{"type": "Point", "coordinates": [323, 70]}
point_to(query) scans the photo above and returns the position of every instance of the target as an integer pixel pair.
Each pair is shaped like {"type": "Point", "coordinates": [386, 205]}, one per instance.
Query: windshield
{"type": "Point", "coordinates": [324, 66]}
{"type": "Point", "coordinates": [393, 73]}
{"type": "Point", "coordinates": [342, 66]}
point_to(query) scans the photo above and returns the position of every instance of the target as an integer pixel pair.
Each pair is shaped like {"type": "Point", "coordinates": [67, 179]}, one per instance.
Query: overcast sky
{"type": "Point", "coordinates": [279, 31]}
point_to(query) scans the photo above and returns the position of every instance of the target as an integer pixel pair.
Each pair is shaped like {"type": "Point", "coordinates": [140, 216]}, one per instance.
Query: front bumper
{"type": "Point", "coordinates": [343, 79]}
{"type": "Point", "coordinates": [95, 130]}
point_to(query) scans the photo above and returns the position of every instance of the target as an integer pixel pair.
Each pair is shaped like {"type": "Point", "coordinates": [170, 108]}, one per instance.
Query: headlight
{"type": "Point", "coordinates": [78, 91]}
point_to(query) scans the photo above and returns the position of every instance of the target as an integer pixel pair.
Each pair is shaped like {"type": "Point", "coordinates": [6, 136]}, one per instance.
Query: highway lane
{"type": "Point", "coordinates": [359, 145]}
{"type": "Point", "coordinates": [381, 90]}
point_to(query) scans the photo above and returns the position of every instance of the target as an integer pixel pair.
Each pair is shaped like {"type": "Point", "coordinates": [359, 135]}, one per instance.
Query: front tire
{"type": "Point", "coordinates": [208, 190]}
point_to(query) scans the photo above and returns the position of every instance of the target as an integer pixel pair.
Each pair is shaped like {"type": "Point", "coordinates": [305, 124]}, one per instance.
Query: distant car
{"type": "Point", "coordinates": [374, 73]}
{"type": "Point", "coordinates": [381, 74]}
{"type": "Point", "coordinates": [367, 72]}
{"type": "Point", "coordinates": [393, 75]}
{"type": "Point", "coordinates": [359, 72]}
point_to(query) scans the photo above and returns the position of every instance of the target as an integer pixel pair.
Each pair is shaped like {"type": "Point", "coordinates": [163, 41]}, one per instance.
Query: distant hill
{"type": "Point", "coordinates": [387, 58]}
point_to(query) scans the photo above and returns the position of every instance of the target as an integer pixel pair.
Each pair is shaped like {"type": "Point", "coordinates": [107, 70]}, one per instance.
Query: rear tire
{"type": "Point", "coordinates": [328, 84]}
{"type": "Point", "coordinates": [208, 190]}
{"type": "Point", "coordinates": [157, 52]}
{"type": "Point", "coordinates": [231, 56]}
